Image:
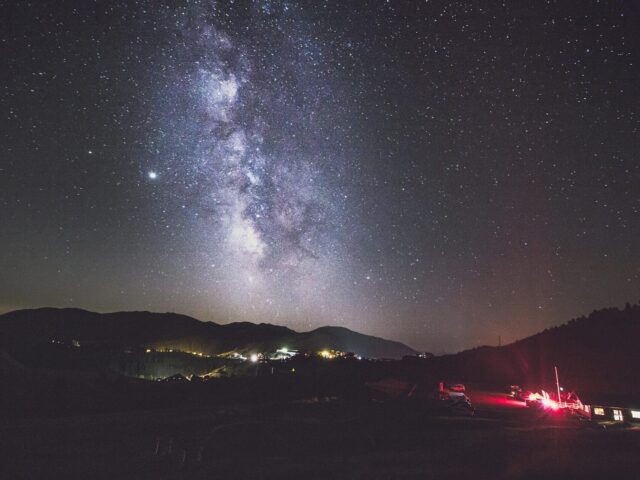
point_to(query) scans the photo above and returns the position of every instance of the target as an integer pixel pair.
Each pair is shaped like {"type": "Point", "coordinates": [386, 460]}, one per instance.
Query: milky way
{"type": "Point", "coordinates": [255, 163]}
{"type": "Point", "coordinates": [443, 173]}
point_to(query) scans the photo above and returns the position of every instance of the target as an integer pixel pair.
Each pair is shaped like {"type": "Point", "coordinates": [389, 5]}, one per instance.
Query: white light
{"type": "Point", "coordinates": [635, 413]}
{"type": "Point", "coordinates": [253, 358]}
{"type": "Point", "coordinates": [152, 175]}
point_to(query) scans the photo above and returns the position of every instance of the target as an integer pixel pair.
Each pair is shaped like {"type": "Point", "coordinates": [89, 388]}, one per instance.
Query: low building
{"type": "Point", "coordinates": [616, 414]}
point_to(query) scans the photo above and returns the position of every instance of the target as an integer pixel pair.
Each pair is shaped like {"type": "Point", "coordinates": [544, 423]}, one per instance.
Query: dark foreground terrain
{"type": "Point", "coordinates": [72, 408]}
{"type": "Point", "coordinates": [316, 438]}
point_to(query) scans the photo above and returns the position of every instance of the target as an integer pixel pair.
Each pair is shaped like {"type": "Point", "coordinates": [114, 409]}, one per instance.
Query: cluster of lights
{"type": "Point", "coordinates": [256, 357]}
{"type": "Point", "coordinates": [334, 354]}
{"type": "Point", "coordinates": [74, 343]}
{"type": "Point", "coordinates": [170, 350]}
{"type": "Point", "coordinates": [547, 403]}
{"type": "Point", "coordinates": [280, 354]}
{"type": "Point", "coordinates": [544, 400]}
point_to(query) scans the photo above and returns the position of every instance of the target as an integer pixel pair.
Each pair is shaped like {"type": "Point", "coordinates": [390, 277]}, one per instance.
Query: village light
{"type": "Point", "coordinates": [254, 358]}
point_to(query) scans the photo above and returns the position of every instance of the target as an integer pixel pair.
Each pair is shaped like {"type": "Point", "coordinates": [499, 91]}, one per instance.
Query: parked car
{"type": "Point", "coordinates": [459, 404]}
{"type": "Point", "coordinates": [515, 392]}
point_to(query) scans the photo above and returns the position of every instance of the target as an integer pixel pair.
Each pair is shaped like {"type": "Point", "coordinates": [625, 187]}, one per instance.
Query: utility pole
{"type": "Point", "coordinates": [557, 384]}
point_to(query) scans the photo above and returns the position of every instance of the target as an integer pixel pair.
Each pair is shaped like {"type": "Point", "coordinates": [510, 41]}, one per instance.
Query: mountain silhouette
{"type": "Point", "coordinates": [163, 331]}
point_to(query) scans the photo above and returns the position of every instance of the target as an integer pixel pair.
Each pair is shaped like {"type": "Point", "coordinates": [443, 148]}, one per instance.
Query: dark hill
{"type": "Point", "coordinates": [598, 353]}
{"type": "Point", "coordinates": [134, 330]}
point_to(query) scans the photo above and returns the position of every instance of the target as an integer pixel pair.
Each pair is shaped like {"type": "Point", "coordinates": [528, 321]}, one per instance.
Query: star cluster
{"type": "Point", "coordinates": [441, 173]}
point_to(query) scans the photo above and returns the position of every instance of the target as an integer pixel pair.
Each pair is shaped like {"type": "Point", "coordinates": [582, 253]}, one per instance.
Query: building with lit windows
{"type": "Point", "coordinates": [616, 414]}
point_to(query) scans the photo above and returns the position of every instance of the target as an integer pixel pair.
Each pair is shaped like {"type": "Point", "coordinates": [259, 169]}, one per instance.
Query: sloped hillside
{"type": "Point", "coordinates": [598, 353]}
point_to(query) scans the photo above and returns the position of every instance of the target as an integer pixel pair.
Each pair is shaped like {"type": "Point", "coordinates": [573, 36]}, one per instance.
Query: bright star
{"type": "Point", "coordinates": [152, 175]}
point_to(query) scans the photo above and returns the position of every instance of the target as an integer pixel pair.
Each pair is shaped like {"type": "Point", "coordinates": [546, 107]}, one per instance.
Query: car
{"type": "Point", "coordinates": [515, 392]}
{"type": "Point", "coordinates": [459, 404]}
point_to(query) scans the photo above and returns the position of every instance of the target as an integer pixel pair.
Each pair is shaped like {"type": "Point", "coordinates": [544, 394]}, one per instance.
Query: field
{"type": "Point", "coordinates": [316, 438]}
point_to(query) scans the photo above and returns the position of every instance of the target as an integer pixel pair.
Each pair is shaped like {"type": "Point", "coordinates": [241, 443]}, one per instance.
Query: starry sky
{"type": "Point", "coordinates": [443, 173]}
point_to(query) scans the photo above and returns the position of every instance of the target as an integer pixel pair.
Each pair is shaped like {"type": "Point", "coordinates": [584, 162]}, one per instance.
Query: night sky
{"type": "Point", "coordinates": [440, 173]}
